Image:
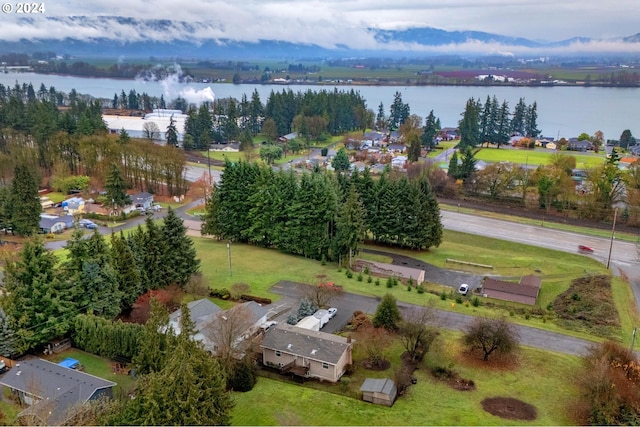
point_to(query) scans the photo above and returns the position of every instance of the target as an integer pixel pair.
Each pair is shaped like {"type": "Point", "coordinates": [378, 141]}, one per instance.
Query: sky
{"type": "Point", "coordinates": [331, 22]}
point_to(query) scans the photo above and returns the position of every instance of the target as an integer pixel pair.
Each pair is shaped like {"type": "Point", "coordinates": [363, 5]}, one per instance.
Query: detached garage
{"type": "Point", "coordinates": [381, 391]}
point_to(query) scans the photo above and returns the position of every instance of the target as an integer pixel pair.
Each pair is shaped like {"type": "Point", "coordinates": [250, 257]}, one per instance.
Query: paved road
{"type": "Point", "coordinates": [347, 303]}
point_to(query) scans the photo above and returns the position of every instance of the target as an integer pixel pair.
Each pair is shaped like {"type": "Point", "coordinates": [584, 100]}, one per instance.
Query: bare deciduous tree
{"type": "Point", "coordinates": [415, 334]}
{"type": "Point", "coordinates": [491, 335]}
{"type": "Point", "coordinates": [374, 342]}
{"type": "Point", "coordinates": [225, 330]}
{"type": "Point", "coordinates": [151, 131]}
{"type": "Point", "coordinates": [322, 294]}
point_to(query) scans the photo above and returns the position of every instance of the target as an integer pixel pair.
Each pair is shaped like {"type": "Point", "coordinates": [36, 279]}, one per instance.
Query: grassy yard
{"type": "Point", "coordinates": [429, 402]}
{"type": "Point", "coordinates": [262, 268]}
{"type": "Point", "coordinates": [536, 157]}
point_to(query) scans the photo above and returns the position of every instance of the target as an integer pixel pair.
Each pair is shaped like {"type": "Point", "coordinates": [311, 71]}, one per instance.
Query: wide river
{"type": "Point", "coordinates": [562, 111]}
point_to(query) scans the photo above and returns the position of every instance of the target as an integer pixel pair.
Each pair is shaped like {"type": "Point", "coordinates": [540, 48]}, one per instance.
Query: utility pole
{"type": "Point", "coordinates": [613, 232]}
{"type": "Point", "coordinates": [229, 256]}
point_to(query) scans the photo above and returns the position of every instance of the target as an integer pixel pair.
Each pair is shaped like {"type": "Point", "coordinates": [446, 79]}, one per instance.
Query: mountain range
{"type": "Point", "coordinates": [123, 36]}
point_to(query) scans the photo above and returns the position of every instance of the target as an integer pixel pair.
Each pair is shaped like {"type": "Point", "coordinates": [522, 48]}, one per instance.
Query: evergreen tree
{"type": "Point", "coordinates": [181, 262]}
{"type": "Point", "coordinates": [430, 131]}
{"type": "Point", "coordinates": [468, 166]}
{"type": "Point", "coordinates": [503, 125]}
{"type": "Point", "coordinates": [381, 121]}
{"type": "Point", "coordinates": [531, 127]}
{"type": "Point", "coordinates": [453, 170]}
{"type": "Point", "coordinates": [7, 336]}
{"type": "Point", "coordinates": [468, 126]}
{"type": "Point", "coordinates": [190, 389]}
{"type": "Point", "coordinates": [412, 139]}
{"type": "Point", "coordinates": [155, 342]}
{"type": "Point", "coordinates": [115, 187]}
{"type": "Point", "coordinates": [341, 161]}
{"type": "Point", "coordinates": [172, 133]}
{"type": "Point", "coordinates": [626, 139]}
{"type": "Point", "coordinates": [350, 225]}
{"type": "Point", "coordinates": [399, 112]}
{"type": "Point", "coordinates": [126, 270]}
{"type": "Point", "coordinates": [24, 204]}
{"type": "Point", "coordinates": [387, 314]}
{"type": "Point", "coordinates": [518, 119]}
{"type": "Point", "coordinates": [33, 299]}
{"type": "Point", "coordinates": [100, 295]}
{"type": "Point", "coordinates": [154, 272]}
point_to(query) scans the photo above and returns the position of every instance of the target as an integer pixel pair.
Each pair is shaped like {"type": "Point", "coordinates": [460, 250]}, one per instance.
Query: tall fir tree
{"type": "Point", "coordinates": [116, 189]}
{"type": "Point", "coordinates": [468, 126]}
{"type": "Point", "coordinates": [181, 262]}
{"type": "Point", "coordinates": [430, 131]}
{"type": "Point", "coordinates": [350, 225]}
{"type": "Point", "coordinates": [126, 269]}
{"type": "Point", "coordinates": [7, 336]}
{"type": "Point", "coordinates": [24, 204]}
{"type": "Point", "coordinates": [453, 170]}
{"type": "Point", "coordinates": [33, 299]}
{"type": "Point", "coordinates": [155, 275]}
{"type": "Point", "coordinates": [197, 396]}
{"type": "Point", "coordinates": [172, 133]}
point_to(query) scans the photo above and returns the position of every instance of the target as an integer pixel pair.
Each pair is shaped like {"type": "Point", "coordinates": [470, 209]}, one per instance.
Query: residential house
{"type": "Point", "coordinates": [142, 200]}
{"type": "Point", "coordinates": [233, 147]}
{"type": "Point", "coordinates": [626, 162]}
{"type": "Point", "coordinates": [396, 148]}
{"type": "Point", "coordinates": [288, 137]}
{"type": "Point", "coordinates": [73, 205]}
{"type": "Point", "coordinates": [381, 391]}
{"type": "Point", "coordinates": [525, 292]}
{"type": "Point", "coordinates": [54, 224]}
{"type": "Point", "coordinates": [200, 311]}
{"type": "Point", "coordinates": [449, 134]}
{"type": "Point", "coordinates": [574, 144]}
{"type": "Point", "coordinates": [398, 162]}
{"type": "Point", "coordinates": [52, 391]}
{"type": "Point", "coordinates": [247, 317]}
{"type": "Point", "coordinates": [306, 353]}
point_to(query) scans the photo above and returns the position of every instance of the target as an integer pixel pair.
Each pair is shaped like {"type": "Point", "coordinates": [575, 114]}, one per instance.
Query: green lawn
{"type": "Point", "coordinates": [261, 268]}
{"type": "Point", "coordinates": [542, 379]}
{"type": "Point", "coordinates": [536, 157]}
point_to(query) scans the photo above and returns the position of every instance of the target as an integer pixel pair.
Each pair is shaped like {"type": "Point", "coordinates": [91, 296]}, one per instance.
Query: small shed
{"type": "Point", "coordinates": [381, 391]}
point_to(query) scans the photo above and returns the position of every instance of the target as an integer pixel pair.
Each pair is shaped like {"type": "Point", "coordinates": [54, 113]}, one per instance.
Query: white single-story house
{"type": "Point", "coordinates": [142, 200]}
{"type": "Point", "coordinates": [52, 391]}
{"type": "Point", "coordinates": [306, 353]}
{"type": "Point", "coordinates": [54, 224]}
{"type": "Point", "coordinates": [232, 147]}
{"type": "Point", "coordinates": [200, 310]}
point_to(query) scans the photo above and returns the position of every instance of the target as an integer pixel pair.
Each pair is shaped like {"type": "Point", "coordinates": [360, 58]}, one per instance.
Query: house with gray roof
{"type": "Point", "coordinates": [201, 310]}
{"type": "Point", "coordinates": [54, 224]}
{"type": "Point", "coordinates": [52, 391]}
{"type": "Point", "coordinates": [142, 200]}
{"type": "Point", "coordinates": [241, 321]}
{"type": "Point", "coordinates": [306, 353]}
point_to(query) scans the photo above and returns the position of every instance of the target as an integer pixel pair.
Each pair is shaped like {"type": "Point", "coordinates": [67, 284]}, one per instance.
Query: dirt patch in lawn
{"type": "Point", "coordinates": [509, 408]}
{"type": "Point", "coordinates": [453, 379]}
{"type": "Point", "coordinates": [381, 365]}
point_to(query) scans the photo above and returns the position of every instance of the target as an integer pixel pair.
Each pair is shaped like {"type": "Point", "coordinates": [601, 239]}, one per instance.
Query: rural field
{"type": "Point", "coordinates": [537, 157]}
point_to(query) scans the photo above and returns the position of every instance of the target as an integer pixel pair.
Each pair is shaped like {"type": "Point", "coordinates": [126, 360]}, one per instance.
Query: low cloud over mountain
{"type": "Point", "coordinates": [108, 35]}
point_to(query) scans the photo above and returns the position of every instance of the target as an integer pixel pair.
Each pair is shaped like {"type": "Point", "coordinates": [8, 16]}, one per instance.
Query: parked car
{"type": "Point", "coordinates": [267, 325]}
{"type": "Point", "coordinates": [86, 223]}
{"type": "Point", "coordinates": [332, 312]}
{"type": "Point", "coordinates": [463, 289]}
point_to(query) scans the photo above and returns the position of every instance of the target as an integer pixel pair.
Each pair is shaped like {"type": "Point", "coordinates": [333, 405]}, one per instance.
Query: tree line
{"type": "Point", "coordinates": [321, 215]}
{"type": "Point", "coordinates": [42, 295]}
{"type": "Point", "coordinates": [493, 122]}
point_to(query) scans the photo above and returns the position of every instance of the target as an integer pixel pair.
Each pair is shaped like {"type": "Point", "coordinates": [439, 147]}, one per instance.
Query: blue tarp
{"type": "Point", "coordinates": [69, 363]}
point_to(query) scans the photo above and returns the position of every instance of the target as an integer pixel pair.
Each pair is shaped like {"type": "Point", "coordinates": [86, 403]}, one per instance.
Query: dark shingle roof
{"type": "Point", "coordinates": [59, 388]}
{"type": "Point", "coordinates": [303, 342]}
{"type": "Point", "coordinates": [199, 310]}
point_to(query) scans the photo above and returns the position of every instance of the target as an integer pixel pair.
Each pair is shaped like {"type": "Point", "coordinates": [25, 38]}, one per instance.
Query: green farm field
{"type": "Point", "coordinates": [536, 157]}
